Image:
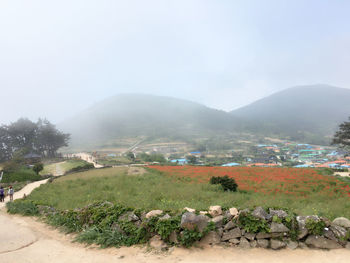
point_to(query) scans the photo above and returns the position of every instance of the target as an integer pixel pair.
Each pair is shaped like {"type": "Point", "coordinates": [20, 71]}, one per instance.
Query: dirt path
{"type": "Point", "coordinates": [25, 239]}
{"type": "Point", "coordinates": [88, 158]}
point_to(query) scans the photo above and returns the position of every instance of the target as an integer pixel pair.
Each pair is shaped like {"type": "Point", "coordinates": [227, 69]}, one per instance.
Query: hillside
{"type": "Point", "coordinates": [303, 112]}
{"type": "Point", "coordinates": [132, 115]}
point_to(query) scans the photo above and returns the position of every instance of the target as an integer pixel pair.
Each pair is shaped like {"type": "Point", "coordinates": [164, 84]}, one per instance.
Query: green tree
{"type": "Point", "coordinates": [342, 136]}
{"type": "Point", "coordinates": [38, 168]}
{"type": "Point", "coordinates": [131, 156]}
{"type": "Point", "coordinates": [191, 159]}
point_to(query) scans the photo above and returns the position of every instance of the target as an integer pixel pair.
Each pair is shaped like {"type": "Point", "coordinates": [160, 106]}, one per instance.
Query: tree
{"type": "Point", "coordinates": [131, 156]}
{"type": "Point", "coordinates": [191, 159]}
{"type": "Point", "coordinates": [38, 168]}
{"type": "Point", "coordinates": [342, 136]}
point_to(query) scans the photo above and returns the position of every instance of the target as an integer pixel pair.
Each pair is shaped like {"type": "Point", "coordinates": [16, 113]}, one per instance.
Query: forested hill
{"type": "Point", "coordinates": [299, 112]}
{"type": "Point", "coordinates": [134, 115]}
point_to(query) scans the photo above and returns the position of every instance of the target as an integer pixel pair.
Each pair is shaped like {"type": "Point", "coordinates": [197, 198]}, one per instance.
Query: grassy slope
{"type": "Point", "coordinates": [154, 190]}
{"type": "Point", "coordinates": [64, 166]}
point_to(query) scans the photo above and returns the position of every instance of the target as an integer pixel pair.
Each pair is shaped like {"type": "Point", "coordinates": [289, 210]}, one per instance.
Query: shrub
{"type": "Point", "coordinates": [253, 224]}
{"type": "Point", "coordinates": [315, 227]}
{"type": "Point", "coordinates": [227, 183]}
{"type": "Point", "coordinates": [23, 207]}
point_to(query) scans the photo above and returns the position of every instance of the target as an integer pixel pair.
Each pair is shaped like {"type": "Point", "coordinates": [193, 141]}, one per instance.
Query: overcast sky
{"type": "Point", "coordinates": [59, 57]}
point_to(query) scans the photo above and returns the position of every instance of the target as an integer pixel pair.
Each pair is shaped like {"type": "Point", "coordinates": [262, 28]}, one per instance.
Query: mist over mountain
{"type": "Point", "coordinates": [299, 112]}
{"type": "Point", "coordinates": [131, 115]}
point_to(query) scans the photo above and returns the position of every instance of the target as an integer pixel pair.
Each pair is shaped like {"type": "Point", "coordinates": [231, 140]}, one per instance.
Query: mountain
{"type": "Point", "coordinates": [302, 112]}
{"type": "Point", "coordinates": [131, 115]}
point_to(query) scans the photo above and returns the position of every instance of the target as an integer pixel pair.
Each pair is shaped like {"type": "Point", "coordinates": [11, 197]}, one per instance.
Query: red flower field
{"type": "Point", "coordinates": [290, 181]}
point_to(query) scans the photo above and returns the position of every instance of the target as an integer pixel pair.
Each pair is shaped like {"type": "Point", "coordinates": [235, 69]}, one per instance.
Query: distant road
{"type": "Point", "coordinates": [88, 158]}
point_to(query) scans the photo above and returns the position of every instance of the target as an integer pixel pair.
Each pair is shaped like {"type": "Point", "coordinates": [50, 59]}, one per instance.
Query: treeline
{"type": "Point", "coordinates": [25, 136]}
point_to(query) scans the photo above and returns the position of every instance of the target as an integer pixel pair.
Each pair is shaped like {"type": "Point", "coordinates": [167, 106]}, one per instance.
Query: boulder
{"type": "Point", "coordinates": [321, 242]}
{"type": "Point", "coordinates": [153, 213]}
{"type": "Point", "coordinates": [260, 212]}
{"type": "Point", "coordinates": [263, 243]}
{"type": "Point", "coordinates": [253, 244]}
{"type": "Point", "coordinates": [212, 238]}
{"type": "Point", "coordinates": [249, 236]}
{"type": "Point", "coordinates": [329, 234]}
{"type": "Point", "coordinates": [129, 216]}
{"type": "Point", "coordinates": [234, 233]}
{"type": "Point", "coordinates": [234, 241]}
{"type": "Point", "coordinates": [157, 243]}
{"type": "Point", "coordinates": [165, 217]}
{"type": "Point", "coordinates": [203, 212]}
{"type": "Point", "coordinates": [278, 228]}
{"type": "Point", "coordinates": [215, 210]}
{"type": "Point", "coordinates": [302, 225]}
{"type": "Point", "coordinates": [339, 232]}
{"type": "Point", "coordinates": [341, 221]}
{"type": "Point", "coordinates": [347, 246]}
{"type": "Point", "coordinates": [277, 244]}
{"type": "Point", "coordinates": [292, 244]}
{"type": "Point", "coordinates": [233, 211]}
{"type": "Point", "coordinates": [218, 221]}
{"type": "Point", "coordinates": [173, 238]}
{"type": "Point", "coordinates": [279, 213]}
{"type": "Point", "coordinates": [263, 235]}
{"type": "Point", "coordinates": [244, 243]}
{"type": "Point", "coordinates": [191, 221]}
{"type": "Point", "coordinates": [190, 209]}
{"type": "Point", "coordinates": [229, 225]}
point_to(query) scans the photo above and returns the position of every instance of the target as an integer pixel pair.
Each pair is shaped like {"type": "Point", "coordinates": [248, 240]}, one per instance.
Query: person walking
{"type": "Point", "coordinates": [2, 194]}
{"type": "Point", "coordinates": [10, 193]}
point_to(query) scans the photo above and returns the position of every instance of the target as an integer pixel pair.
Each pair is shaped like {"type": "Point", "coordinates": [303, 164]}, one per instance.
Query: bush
{"type": "Point", "coordinates": [22, 207]}
{"type": "Point", "coordinates": [228, 184]}
{"type": "Point", "coordinates": [84, 167]}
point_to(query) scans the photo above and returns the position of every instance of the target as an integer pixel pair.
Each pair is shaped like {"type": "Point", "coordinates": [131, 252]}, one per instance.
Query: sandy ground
{"type": "Point", "coordinates": [343, 174]}
{"type": "Point", "coordinates": [27, 240]}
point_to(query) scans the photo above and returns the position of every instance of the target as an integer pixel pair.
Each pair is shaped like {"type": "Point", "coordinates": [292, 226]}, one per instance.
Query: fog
{"type": "Point", "coordinates": [59, 57]}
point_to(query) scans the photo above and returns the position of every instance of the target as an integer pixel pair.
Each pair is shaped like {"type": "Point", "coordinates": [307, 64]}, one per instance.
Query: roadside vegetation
{"type": "Point", "coordinates": [66, 166]}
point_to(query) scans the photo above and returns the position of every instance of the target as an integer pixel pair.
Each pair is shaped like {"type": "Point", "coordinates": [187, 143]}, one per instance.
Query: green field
{"type": "Point", "coordinates": [63, 166]}
{"type": "Point", "coordinates": [154, 190]}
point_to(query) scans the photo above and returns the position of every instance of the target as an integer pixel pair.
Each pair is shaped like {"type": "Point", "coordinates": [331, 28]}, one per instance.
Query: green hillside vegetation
{"type": "Point", "coordinates": [154, 190]}
{"type": "Point", "coordinates": [64, 166]}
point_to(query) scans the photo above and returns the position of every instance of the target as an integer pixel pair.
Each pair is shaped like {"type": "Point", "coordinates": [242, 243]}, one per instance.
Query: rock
{"type": "Point", "coordinates": [234, 233]}
{"type": "Point", "coordinates": [215, 210]}
{"type": "Point", "coordinates": [249, 236]}
{"type": "Point", "coordinates": [157, 243]}
{"type": "Point", "coordinates": [244, 243]}
{"type": "Point", "coordinates": [191, 210]}
{"type": "Point", "coordinates": [242, 232]}
{"type": "Point", "coordinates": [321, 242]}
{"type": "Point", "coordinates": [329, 234]}
{"type": "Point", "coordinates": [263, 243]}
{"type": "Point", "coordinates": [233, 211]}
{"type": "Point", "coordinates": [234, 241]}
{"type": "Point", "coordinates": [165, 217]}
{"type": "Point", "coordinates": [277, 244]}
{"type": "Point", "coordinates": [220, 231]}
{"type": "Point", "coordinates": [192, 221]}
{"type": "Point", "coordinates": [253, 244]}
{"type": "Point", "coordinates": [212, 238]}
{"type": "Point", "coordinates": [153, 213]}
{"type": "Point", "coordinates": [302, 225]}
{"type": "Point", "coordinates": [341, 221]}
{"type": "Point", "coordinates": [129, 216]}
{"type": "Point", "coordinates": [326, 221]}
{"type": "Point", "coordinates": [279, 213]}
{"type": "Point", "coordinates": [347, 246]}
{"type": "Point", "coordinates": [339, 232]}
{"type": "Point", "coordinates": [260, 212]}
{"type": "Point", "coordinates": [173, 238]}
{"type": "Point", "coordinates": [218, 221]}
{"type": "Point", "coordinates": [263, 235]}
{"type": "Point", "coordinates": [292, 244]}
{"type": "Point", "coordinates": [302, 233]}
{"type": "Point", "coordinates": [227, 215]}
{"type": "Point", "coordinates": [203, 212]}
{"type": "Point", "coordinates": [229, 225]}
{"type": "Point", "coordinates": [278, 228]}
{"type": "Point", "coordinates": [302, 245]}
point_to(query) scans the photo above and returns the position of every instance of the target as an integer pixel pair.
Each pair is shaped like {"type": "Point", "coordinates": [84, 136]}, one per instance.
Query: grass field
{"type": "Point", "coordinates": [156, 190]}
{"type": "Point", "coordinates": [63, 166]}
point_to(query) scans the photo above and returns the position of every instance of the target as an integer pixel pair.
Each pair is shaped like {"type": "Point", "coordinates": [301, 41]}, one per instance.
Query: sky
{"type": "Point", "coordinates": [60, 57]}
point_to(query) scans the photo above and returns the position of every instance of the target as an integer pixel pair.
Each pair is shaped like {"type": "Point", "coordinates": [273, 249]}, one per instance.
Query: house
{"type": "Point", "coordinates": [32, 158]}
{"type": "Point", "coordinates": [182, 161]}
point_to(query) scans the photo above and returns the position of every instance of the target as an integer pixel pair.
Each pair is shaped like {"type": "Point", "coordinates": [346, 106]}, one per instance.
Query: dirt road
{"type": "Point", "coordinates": [88, 158]}
{"type": "Point", "coordinates": [27, 240]}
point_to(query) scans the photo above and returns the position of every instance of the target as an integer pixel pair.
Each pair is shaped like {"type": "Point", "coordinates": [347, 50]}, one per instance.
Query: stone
{"type": "Point", "coordinates": [157, 243]}
{"type": "Point", "coordinates": [165, 217]}
{"type": "Point", "coordinates": [129, 216]}
{"type": "Point", "coordinates": [279, 213]}
{"type": "Point", "coordinates": [227, 215]}
{"type": "Point", "coordinates": [347, 246]}
{"type": "Point", "coordinates": [233, 211]}
{"type": "Point", "coordinates": [253, 244]}
{"type": "Point", "coordinates": [218, 221]}
{"type": "Point", "coordinates": [249, 236]}
{"type": "Point", "coordinates": [203, 212]}
{"type": "Point", "coordinates": [212, 238]}
{"type": "Point", "coordinates": [329, 234]}
{"type": "Point", "coordinates": [260, 212]}
{"type": "Point", "coordinates": [321, 242]}
{"type": "Point", "coordinates": [220, 231]}
{"type": "Point", "coordinates": [173, 238]}
{"type": "Point", "coordinates": [302, 225]}
{"type": "Point", "coordinates": [244, 243]}
{"type": "Point", "coordinates": [341, 221]}
{"type": "Point", "coordinates": [302, 233]}
{"type": "Point", "coordinates": [234, 233]}
{"type": "Point", "coordinates": [234, 241]}
{"type": "Point", "coordinates": [302, 245]}
{"type": "Point", "coordinates": [277, 244]}
{"type": "Point", "coordinates": [153, 213]}
{"type": "Point", "coordinates": [263, 243]}
{"type": "Point", "coordinates": [190, 209]}
{"type": "Point", "coordinates": [229, 225]}
{"type": "Point", "coordinates": [242, 231]}
{"type": "Point", "coordinates": [278, 228]}
{"type": "Point", "coordinates": [215, 210]}
{"type": "Point", "coordinates": [262, 235]}
{"type": "Point", "coordinates": [292, 244]}
{"type": "Point", "coordinates": [339, 232]}
{"type": "Point", "coordinates": [191, 221]}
